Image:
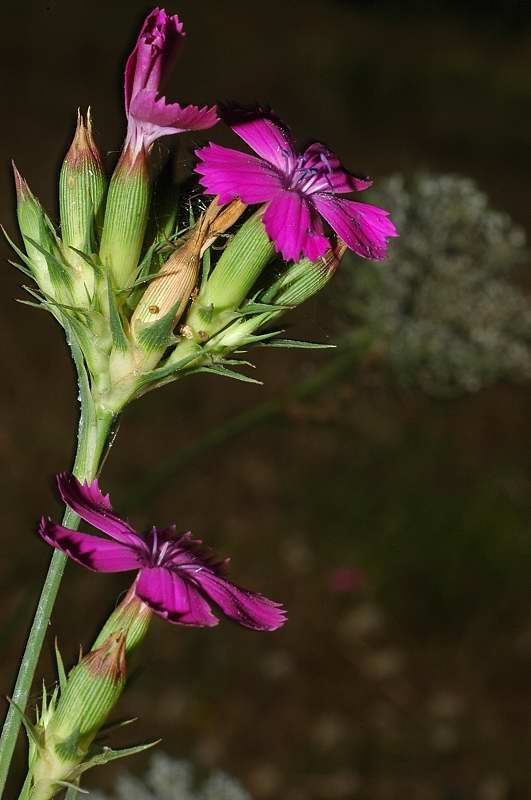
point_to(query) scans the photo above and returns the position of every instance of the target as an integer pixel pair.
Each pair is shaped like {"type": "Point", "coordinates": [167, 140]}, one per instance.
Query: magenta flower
{"type": "Point", "coordinates": [176, 577]}
{"type": "Point", "coordinates": [149, 116]}
{"type": "Point", "coordinates": [299, 190]}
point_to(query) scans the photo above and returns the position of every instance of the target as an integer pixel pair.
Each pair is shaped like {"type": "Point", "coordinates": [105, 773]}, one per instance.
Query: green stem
{"type": "Point", "coordinates": [94, 428]}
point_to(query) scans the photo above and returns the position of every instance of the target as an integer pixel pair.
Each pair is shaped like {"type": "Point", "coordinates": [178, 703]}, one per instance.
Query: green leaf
{"type": "Point", "coordinates": [97, 266]}
{"type": "Point", "coordinates": [107, 755]}
{"type": "Point", "coordinates": [259, 308]}
{"type": "Point", "coordinates": [46, 300]}
{"type": "Point", "coordinates": [294, 344]}
{"type": "Point", "coordinates": [228, 373]}
{"type": "Point", "coordinates": [59, 274]}
{"type": "Point", "coordinates": [44, 703]}
{"type": "Point", "coordinates": [118, 336]}
{"type": "Point", "coordinates": [72, 787]}
{"type": "Point", "coordinates": [23, 257]}
{"type": "Point", "coordinates": [33, 734]}
{"type": "Point", "coordinates": [206, 266]}
{"type": "Point", "coordinates": [171, 369]}
{"type": "Point", "coordinates": [23, 269]}
{"type": "Point", "coordinates": [158, 335]}
{"type": "Point", "coordinates": [231, 361]}
{"type": "Point", "coordinates": [106, 729]}
{"type": "Point", "coordinates": [61, 673]}
{"type": "Point", "coordinates": [261, 337]}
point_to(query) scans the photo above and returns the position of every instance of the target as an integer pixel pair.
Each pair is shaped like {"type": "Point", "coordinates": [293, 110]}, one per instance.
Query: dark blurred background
{"type": "Point", "coordinates": [407, 673]}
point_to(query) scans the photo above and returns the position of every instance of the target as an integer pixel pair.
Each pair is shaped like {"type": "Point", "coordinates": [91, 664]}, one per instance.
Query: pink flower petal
{"type": "Point", "coordinates": [246, 608]}
{"type": "Point", "coordinates": [164, 592]}
{"type": "Point", "coordinates": [149, 109]}
{"type": "Point", "coordinates": [363, 228]}
{"type": "Point", "coordinates": [89, 551]}
{"type": "Point", "coordinates": [199, 614]}
{"type": "Point", "coordinates": [287, 221]}
{"type": "Point", "coordinates": [330, 175]}
{"type": "Point", "coordinates": [268, 138]}
{"type": "Point", "coordinates": [316, 243]}
{"type": "Point", "coordinates": [153, 53]}
{"type": "Point", "coordinates": [95, 508]}
{"type": "Point", "coordinates": [230, 174]}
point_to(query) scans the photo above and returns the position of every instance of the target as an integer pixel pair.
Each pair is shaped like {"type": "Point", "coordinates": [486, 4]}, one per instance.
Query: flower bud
{"type": "Point", "coordinates": [126, 217]}
{"type": "Point", "coordinates": [82, 187]}
{"type": "Point", "coordinates": [93, 687]}
{"type": "Point", "coordinates": [298, 283]}
{"type": "Point", "coordinates": [236, 272]}
{"type": "Point", "coordinates": [90, 693]}
{"type": "Point", "coordinates": [39, 239]}
{"type": "Point", "coordinates": [304, 279]}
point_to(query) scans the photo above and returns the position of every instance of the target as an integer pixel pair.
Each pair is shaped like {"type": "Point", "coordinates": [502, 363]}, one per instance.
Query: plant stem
{"type": "Point", "coordinates": [94, 428]}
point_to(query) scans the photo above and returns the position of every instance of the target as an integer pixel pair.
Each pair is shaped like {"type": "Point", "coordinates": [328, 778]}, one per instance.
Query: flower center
{"type": "Point", "coordinates": [309, 174]}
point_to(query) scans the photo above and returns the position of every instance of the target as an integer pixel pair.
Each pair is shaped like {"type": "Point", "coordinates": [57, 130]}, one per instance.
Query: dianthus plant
{"type": "Point", "coordinates": [131, 275]}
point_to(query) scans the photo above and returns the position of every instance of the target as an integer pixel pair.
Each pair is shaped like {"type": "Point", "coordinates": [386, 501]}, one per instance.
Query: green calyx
{"type": "Point", "coordinates": [42, 245]}
{"type": "Point", "coordinates": [132, 618]}
{"type": "Point", "coordinates": [126, 217]}
{"type": "Point", "coordinates": [92, 689]}
{"type": "Point", "coordinates": [82, 189]}
{"type": "Point", "coordinates": [239, 267]}
{"type": "Point", "coordinates": [62, 739]}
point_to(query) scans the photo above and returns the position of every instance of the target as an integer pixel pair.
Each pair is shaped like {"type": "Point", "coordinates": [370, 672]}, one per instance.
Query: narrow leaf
{"type": "Point", "coordinates": [228, 373]}
{"type": "Point", "coordinates": [90, 260]}
{"type": "Point", "coordinates": [72, 787]}
{"type": "Point", "coordinates": [31, 730]}
{"type": "Point", "coordinates": [259, 308]}
{"type": "Point", "coordinates": [206, 265]}
{"type": "Point", "coordinates": [61, 673]}
{"type": "Point", "coordinates": [118, 336]}
{"type": "Point", "coordinates": [159, 335]}
{"type": "Point", "coordinates": [170, 369]}
{"type": "Point", "coordinates": [23, 257]}
{"type": "Point", "coordinates": [108, 755]}
{"type": "Point", "coordinates": [58, 271]}
{"type": "Point", "coordinates": [23, 269]}
{"type": "Point", "coordinates": [294, 344]}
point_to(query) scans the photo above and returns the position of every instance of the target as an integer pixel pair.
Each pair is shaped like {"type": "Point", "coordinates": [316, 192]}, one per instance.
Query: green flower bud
{"type": "Point", "coordinates": [82, 187]}
{"type": "Point", "coordinates": [126, 217]}
{"type": "Point", "coordinates": [92, 689]}
{"type": "Point", "coordinates": [296, 285]}
{"type": "Point", "coordinates": [40, 241]}
{"type": "Point", "coordinates": [304, 279]}
{"type": "Point", "coordinates": [236, 272]}
{"type": "Point", "coordinates": [90, 693]}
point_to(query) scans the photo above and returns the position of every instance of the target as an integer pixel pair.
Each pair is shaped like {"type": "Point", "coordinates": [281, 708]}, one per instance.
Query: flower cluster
{"type": "Point", "coordinates": [137, 290]}
{"type": "Point", "coordinates": [144, 298]}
